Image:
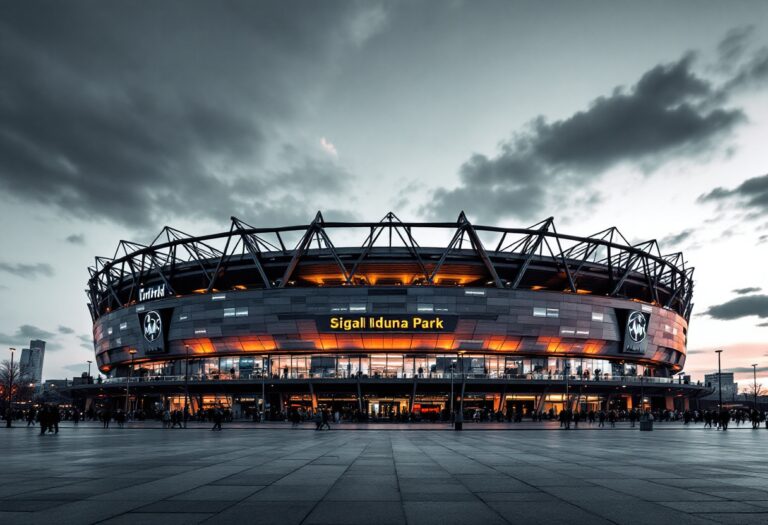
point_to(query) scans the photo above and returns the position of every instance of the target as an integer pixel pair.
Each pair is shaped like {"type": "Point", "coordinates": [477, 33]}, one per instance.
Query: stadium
{"type": "Point", "coordinates": [389, 318]}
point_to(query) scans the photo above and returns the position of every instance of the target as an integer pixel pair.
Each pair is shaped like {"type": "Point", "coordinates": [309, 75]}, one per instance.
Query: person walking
{"type": "Point", "coordinates": [43, 419]}
{"type": "Point", "coordinates": [325, 418]}
{"type": "Point", "coordinates": [725, 418]}
{"type": "Point", "coordinates": [55, 418]}
{"type": "Point", "coordinates": [601, 419]}
{"type": "Point", "coordinates": [218, 417]}
{"type": "Point", "coordinates": [106, 416]}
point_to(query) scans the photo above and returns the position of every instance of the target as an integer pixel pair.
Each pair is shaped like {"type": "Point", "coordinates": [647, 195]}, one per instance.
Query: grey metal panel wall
{"type": "Point", "coordinates": [513, 311]}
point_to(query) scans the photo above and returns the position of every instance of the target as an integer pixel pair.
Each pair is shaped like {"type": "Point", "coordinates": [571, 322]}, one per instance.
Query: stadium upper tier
{"type": "Point", "coordinates": [388, 253]}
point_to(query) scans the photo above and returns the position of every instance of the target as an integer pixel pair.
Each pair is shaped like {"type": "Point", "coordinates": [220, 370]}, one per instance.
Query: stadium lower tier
{"type": "Point", "coordinates": [421, 387]}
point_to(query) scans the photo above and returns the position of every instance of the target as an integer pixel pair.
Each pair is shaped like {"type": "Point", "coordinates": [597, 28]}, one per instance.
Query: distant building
{"type": "Point", "coordinates": [55, 384]}
{"type": "Point", "coordinates": [32, 360]}
{"type": "Point", "coordinates": [730, 388]}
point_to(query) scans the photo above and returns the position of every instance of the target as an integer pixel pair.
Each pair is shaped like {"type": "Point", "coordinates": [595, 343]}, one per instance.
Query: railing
{"type": "Point", "coordinates": [444, 376]}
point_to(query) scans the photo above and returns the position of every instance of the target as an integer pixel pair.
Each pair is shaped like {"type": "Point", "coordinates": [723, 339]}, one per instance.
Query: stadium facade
{"type": "Point", "coordinates": [364, 317]}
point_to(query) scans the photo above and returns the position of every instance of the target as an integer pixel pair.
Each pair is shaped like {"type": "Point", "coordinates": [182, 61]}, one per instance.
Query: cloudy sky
{"type": "Point", "coordinates": [115, 121]}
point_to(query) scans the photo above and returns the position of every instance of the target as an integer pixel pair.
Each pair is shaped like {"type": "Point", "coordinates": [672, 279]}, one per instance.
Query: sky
{"type": "Point", "coordinates": [117, 119]}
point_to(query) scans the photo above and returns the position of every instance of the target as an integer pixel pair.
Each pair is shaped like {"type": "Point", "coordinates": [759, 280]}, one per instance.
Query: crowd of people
{"type": "Point", "coordinates": [48, 416]}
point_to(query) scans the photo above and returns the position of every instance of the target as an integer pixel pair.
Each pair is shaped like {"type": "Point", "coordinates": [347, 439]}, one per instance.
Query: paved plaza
{"type": "Point", "coordinates": [278, 475]}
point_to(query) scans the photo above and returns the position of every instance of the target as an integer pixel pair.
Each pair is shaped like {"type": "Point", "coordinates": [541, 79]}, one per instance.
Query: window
{"type": "Point", "coordinates": [119, 341]}
{"type": "Point", "coordinates": [200, 331]}
{"type": "Point", "coordinates": [241, 312]}
{"type": "Point", "coordinates": [597, 316]}
{"type": "Point", "coordinates": [474, 292]}
{"type": "Point", "coordinates": [229, 312]}
{"type": "Point", "coordinates": [140, 308]}
{"type": "Point", "coordinates": [218, 297]}
{"type": "Point", "coordinates": [567, 331]}
{"type": "Point", "coordinates": [123, 326]}
{"type": "Point", "coordinates": [546, 312]}
{"type": "Point", "coordinates": [357, 307]}
{"type": "Point", "coordinates": [425, 308]}
{"type": "Point", "coordinates": [183, 317]}
{"type": "Point", "coordinates": [582, 332]}
{"type": "Point", "coordinates": [109, 331]}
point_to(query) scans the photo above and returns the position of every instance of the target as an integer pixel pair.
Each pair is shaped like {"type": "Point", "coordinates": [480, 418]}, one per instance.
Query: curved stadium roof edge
{"type": "Point", "coordinates": [537, 257]}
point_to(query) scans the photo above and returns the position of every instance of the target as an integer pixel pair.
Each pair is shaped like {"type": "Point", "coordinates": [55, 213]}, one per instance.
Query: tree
{"type": "Point", "coordinates": [753, 390]}
{"type": "Point", "coordinates": [20, 377]}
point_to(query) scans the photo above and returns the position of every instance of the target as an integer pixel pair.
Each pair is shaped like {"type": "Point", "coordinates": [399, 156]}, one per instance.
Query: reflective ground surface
{"type": "Point", "coordinates": [247, 474]}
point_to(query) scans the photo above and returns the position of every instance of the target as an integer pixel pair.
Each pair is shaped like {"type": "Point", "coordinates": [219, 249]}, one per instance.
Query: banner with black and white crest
{"type": "Point", "coordinates": [636, 325]}
{"type": "Point", "coordinates": [154, 326]}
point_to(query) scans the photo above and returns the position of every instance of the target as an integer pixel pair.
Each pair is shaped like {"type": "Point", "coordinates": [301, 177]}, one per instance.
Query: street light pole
{"type": "Point", "coordinates": [89, 369]}
{"type": "Point", "coordinates": [566, 368]}
{"type": "Point", "coordinates": [9, 412]}
{"type": "Point", "coordinates": [453, 365]}
{"type": "Point", "coordinates": [186, 385]}
{"type": "Point", "coordinates": [754, 376]}
{"type": "Point", "coordinates": [132, 351]}
{"type": "Point", "coordinates": [719, 381]}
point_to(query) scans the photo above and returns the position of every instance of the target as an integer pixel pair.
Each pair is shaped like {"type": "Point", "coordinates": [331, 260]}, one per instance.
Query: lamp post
{"type": "Point", "coordinates": [132, 351]}
{"type": "Point", "coordinates": [754, 377]}
{"type": "Point", "coordinates": [566, 368]}
{"type": "Point", "coordinates": [89, 370]}
{"type": "Point", "coordinates": [452, 366]}
{"type": "Point", "coordinates": [719, 381]}
{"type": "Point", "coordinates": [9, 412]}
{"type": "Point", "coordinates": [186, 385]}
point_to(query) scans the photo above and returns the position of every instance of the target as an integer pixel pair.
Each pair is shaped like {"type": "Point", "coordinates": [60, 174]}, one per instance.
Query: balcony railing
{"type": "Point", "coordinates": [457, 376]}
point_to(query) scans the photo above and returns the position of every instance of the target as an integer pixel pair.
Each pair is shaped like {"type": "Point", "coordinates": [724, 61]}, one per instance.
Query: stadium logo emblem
{"type": "Point", "coordinates": [636, 325]}
{"type": "Point", "coordinates": [153, 326]}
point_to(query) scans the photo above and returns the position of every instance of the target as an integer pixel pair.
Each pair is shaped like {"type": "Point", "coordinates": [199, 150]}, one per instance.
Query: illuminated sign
{"type": "Point", "coordinates": [635, 331]}
{"type": "Point", "coordinates": [155, 292]}
{"type": "Point", "coordinates": [154, 327]}
{"type": "Point", "coordinates": [387, 323]}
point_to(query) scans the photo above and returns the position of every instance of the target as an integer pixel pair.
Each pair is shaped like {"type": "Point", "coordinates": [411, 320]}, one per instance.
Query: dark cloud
{"type": "Point", "coordinates": [745, 369]}
{"type": "Point", "coordinates": [65, 330]}
{"type": "Point", "coordinates": [732, 47]}
{"type": "Point", "coordinates": [740, 307]}
{"type": "Point", "coordinates": [76, 238]}
{"type": "Point", "coordinates": [670, 111]}
{"type": "Point", "coordinates": [753, 73]}
{"type": "Point", "coordinates": [749, 289]}
{"type": "Point", "coordinates": [26, 333]}
{"type": "Point", "coordinates": [674, 239]}
{"type": "Point", "coordinates": [139, 116]}
{"type": "Point", "coordinates": [28, 271]}
{"type": "Point", "coordinates": [752, 193]}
